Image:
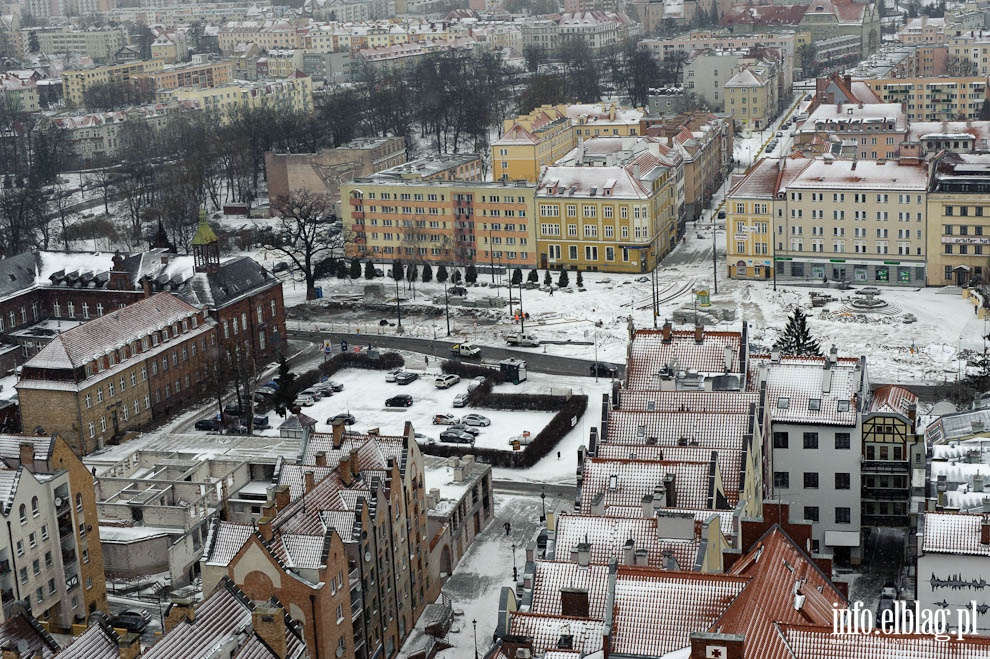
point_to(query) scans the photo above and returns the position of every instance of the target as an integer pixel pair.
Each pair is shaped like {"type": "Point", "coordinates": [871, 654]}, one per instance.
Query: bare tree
{"type": "Point", "coordinates": [306, 231]}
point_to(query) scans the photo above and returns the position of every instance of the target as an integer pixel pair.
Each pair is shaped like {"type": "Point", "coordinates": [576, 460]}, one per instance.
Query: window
{"type": "Point", "coordinates": [783, 403]}
{"type": "Point", "coordinates": [780, 440]}
{"type": "Point", "coordinates": [48, 559]}
{"type": "Point", "coordinates": [811, 480]}
{"type": "Point", "coordinates": [20, 547]}
{"type": "Point", "coordinates": [842, 481]}
{"type": "Point", "coordinates": [340, 613]}
{"type": "Point", "coordinates": [44, 531]}
{"type": "Point", "coordinates": [23, 514]}
{"type": "Point", "coordinates": [781, 479]}
{"type": "Point", "coordinates": [811, 440]}
{"type": "Point", "coordinates": [24, 574]}
{"type": "Point", "coordinates": [842, 440]}
{"type": "Point", "coordinates": [842, 515]}
{"type": "Point", "coordinates": [34, 507]}
{"type": "Point", "coordinates": [814, 404]}
{"type": "Point", "coordinates": [811, 513]}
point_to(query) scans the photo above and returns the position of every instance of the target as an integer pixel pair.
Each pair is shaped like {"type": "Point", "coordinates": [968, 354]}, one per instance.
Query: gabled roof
{"type": "Point", "coordinates": [891, 398]}
{"type": "Point", "coordinates": [17, 273]}
{"type": "Point", "coordinates": [821, 642]}
{"type": "Point", "coordinates": [778, 569]}
{"type": "Point", "coordinates": [626, 482]}
{"type": "Point", "coordinates": [550, 577]}
{"type": "Point", "coordinates": [802, 390]}
{"type": "Point", "coordinates": [724, 402]}
{"type": "Point", "coordinates": [97, 642]}
{"type": "Point", "coordinates": [22, 628]}
{"type": "Point", "coordinates": [649, 355]}
{"type": "Point", "coordinates": [608, 536]}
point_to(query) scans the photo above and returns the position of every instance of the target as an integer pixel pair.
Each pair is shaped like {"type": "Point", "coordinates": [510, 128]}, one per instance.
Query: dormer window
{"type": "Point", "coordinates": [613, 483]}
{"type": "Point", "coordinates": [814, 404]}
{"type": "Point", "coordinates": [783, 403]}
{"type": "Point", "coordinates": [843, 406]}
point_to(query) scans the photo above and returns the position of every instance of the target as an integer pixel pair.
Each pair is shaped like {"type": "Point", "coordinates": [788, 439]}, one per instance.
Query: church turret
{"type": "Point", "coordinates": [206, 248]}
{"type": "Point", "coordinates": [118, 275]}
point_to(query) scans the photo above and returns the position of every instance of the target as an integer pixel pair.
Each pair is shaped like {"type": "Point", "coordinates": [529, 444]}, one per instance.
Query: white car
{"type": "Point", "coordinates": [476, 420]}
{"type": "Point", "coordinates": [447, 381]}
{"type": "Point", "coordinates": [460, 400]}
{"type": "Point", "coordinates": [390, 376]}
{"type": "Point", "coordinates": [476, 382]}
{"type": "Point", "coordinates": [305, 400]}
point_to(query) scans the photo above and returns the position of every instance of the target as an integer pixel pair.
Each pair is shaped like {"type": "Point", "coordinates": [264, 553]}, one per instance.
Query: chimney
{"type": "Point", "coordinates": [574, 602]}
{"type": "Point", "coordinates": [647, 506]}
{"type": "Point", "coordinates": [629, 552]}
{"type": "Point", "coordinates": [642, 558]}
{"type": "Point", "coordinates": [338, 435]}
{"type": "Point", "coordinates": [268, 622]}
{"type": "Point", "coordinates": [985, 530]}
{"type": "Point", "coordinates": [584, 553]}
{"type": "Point", "coordinates": [669, 563]}
{"type": "Point", "coordinates": [848, 81]}
{"type": "Point", "coordinates": [27, 455]}
{"type": "Point", "coordinates": [727, 353]}
{"type": "Point", "coordinates": [282, 497]}
{"type": "Point", "coordinates": [659, 499]}
{"type": "Point", "coordinates": [321, 458]}
{"type": "Point", "coordinates": [775, 356]}
{"type": "Point", "coordinates": [699, 334]}
{"type": "Point", "coordinates": [668, 483]}
{"type": "Point", "coordinates": [666, 332]}
{"type": "Point", "coordinates": [265, 528]}
{"type": "Point", "coordinates": [833, 355]}
{"type": "Point", "coordinates": [459, 473]}
{"type": "Point", "coordinates": [146, 286]}
{"type": "Point", "coordinates": [178, 610]}
{"type": "Point", "coordinates": [309, 478]}
{"type": "Point", "coordinates": [912, 413]}
{"type": "Point", "coordinates": [726, 646]}
{"type": "Point", "coordinates": [344, 470]}
{"type": "Point", "coordinates": [129, 646]}
{"type": "Point", "coordinates": [355, 463]}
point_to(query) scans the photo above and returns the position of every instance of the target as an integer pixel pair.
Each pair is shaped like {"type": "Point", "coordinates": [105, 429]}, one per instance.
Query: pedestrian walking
{"type": "Point", "coordinates": [558, 455]}
{"type": "Point", "coordinates": [508, 527]}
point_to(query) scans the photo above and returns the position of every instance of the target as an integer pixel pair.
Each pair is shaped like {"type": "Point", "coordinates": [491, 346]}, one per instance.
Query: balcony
{"type": "Point", "coordinates": [885, 494]}
{"type": "Point", "coordinates": [885, 467]}
{"type": "Point", "coordinates": [68, 556]}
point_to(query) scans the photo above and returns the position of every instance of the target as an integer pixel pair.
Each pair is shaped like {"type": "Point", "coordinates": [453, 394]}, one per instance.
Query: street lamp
{"type": "Point", "coordinates": [491, 252]}
{"type": "Point", "coordinates": [398, 307]}
{"type": "Point", "coordinates": [474, 623]}
{"type": "Point", "coordinates": [543, 501]}
{"type": "Point", "coordinates": [515, 572]}
{"type": "Point", "coordinates": [446, 305]}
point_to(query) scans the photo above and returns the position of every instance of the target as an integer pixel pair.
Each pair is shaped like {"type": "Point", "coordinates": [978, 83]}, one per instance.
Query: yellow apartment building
{"type": "Point", "coordinates": [751, 96]}
{"type": "Point", "coordinates": [211, 74]}
{"type": "Point", "coordinates": [934, 99]}
{"type": "Point", "coordinates": [540, 138]}
{"type": "Point", "coordinates": [293, 95]}
{"type": "Point", "coordinates": [750, 208]}
{"type": "Point", "coordinates": [620, 218]}
{"type": "Point", "coordinates": [440, 222]}
{"type": "Point", "coordinates": [959, 219]}
{"type": "Point", "coordinates": [75, 83]}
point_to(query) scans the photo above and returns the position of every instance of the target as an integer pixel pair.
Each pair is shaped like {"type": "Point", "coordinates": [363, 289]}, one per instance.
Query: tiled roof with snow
{"type": "Point", "coordinates": [22, 632]}
{"type": "Point", "coordinates": [551, 576]}
{"type": "Point", "coordinates": [224, 541]}
{"type": "Point", "coordinates": [861, 174]}
{"type": "Point", "coordinates": [626, 482]}
{"type": "Point", "coordinates": [10, 448]}
{"type": "Point", "coordinates": [373, 452]}
{"type": "Point", "coordinates": [582, 182]}
{"type": "Point", "coordinates": [821, 642]}
{"type": "Point", "coordinates": [873, 115]}
{"type": "Point", "coordinates": [767, 177]}
{"type": "Point", "coordinates": [655, 612]}
{"type": "Point", "coordinates": [802, 390]}
{"type": "Point", "coordinates": [99, 641]}
{"type": "Point", "coordinates": [586, 635]}
{"type": "Point", "coordinates": [953, 533]}
{"type": "Point", "coordinates": [730, 460]}
{"type": "Point", "coordinates": [949, 130]}
{"type": "Point", "coordinates": [745, 78]}
{"type": "Point", "coordinates": [299, 551]}
{"type": "Point", "coordinates": [79, 345]}
{"type": "Point", "coordinates": [608, 536]}
{"type": "Point", "coordinates": [650, 356]}
{"type": "Point", "coordinates": [732, 402]}
{"type": "Point", "coordinates": [671, 429]}
{"type": "Point", "coordinates": [891, 398]}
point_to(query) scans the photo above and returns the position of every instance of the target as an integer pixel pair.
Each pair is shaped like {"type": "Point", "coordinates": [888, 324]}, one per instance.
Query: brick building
{"type": "Point", "coordinates": [342, 544]}
{"type": "Point", "coordinates": [118, 371]}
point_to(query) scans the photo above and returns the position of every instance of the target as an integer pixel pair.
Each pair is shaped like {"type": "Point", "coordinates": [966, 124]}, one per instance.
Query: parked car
{"type": "Point", "coordinates": [465, 349]}
{"type": "Point", "coordinates": [780, 134]}
{"type": "Point", "coordinates": [344, 417]}
{"type": "Point", "coordinates": [325, 389]}
{"type": "Point", "coordinates": [457, 290]}
{"type": "Point", "coordinates": [423, 439]}
{"type": "Point", "coordinates": [305, 400]}
{"type": "Point", "coordinates": [334, 385]}
{"type": "Point", "coordinates": [132, 621]}
{"type": "Point", "coordinates": [265, 390]}
{"type": "Point", "coordinates": [445, 419]}
{"type": "Point", "coordinates": [476, 420]}
{"type": "Point", "coordinates": [261, 422]}
{"type": "Point", "coordinates": [390, 376]}
{"type": "Point", "coordinates": [312, 392]}
{"type": "Point", "coordinates": [401, 400]}
{"type": "Point", "coordinates": [603, 370]}
{"type": "Point", "coordinates": [405, 377]}
{"type": "Point", "coordinates": [721, 214]}
{"type": "Point", "coordinates": [889, 591]}
{"type": "Point", "coordinates": [233, 410]}
{"type": "Point", "coordinates": [471, 430]}
{"type": "Point", "coordinates": [236, 430]}
{"type": "Point", "coordinates": [281, 266]}
{"type": "Point", "coordinates": [207, 424]}
{"type": "Point", "coordinates": [446, 381]}
{"type": "Point", "coordinates": [456, 437]}
{"type": "Point", "coordinates": [476, 382]}
{"type": "Point", "coordinates": [460, 400]}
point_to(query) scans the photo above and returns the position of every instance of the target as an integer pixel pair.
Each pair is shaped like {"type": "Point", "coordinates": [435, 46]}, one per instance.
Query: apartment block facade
{"type": "Point", "coordinates": [441, 222]}
{"type": "Point", "coordinates": [934, 99]}
{"type": "Point", "coordinates": [291, 95]}
{"type": "Point", "coordinates": [100, 44]}
{"type": "Point", "coordinates": [752, 95]}
{"type": "Point", "coordinates": [959, 219]}
{"type": "Point", "coordinates": [76, 82]}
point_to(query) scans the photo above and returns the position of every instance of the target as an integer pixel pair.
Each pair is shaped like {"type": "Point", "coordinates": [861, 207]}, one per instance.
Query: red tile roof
{"type": "Point", "coordinates": [891, 398]}
{"type": "Point", "coordinates": [551, 576]}
{"type": "Point", "coordinates": [649, 355]}
{"type": "Point", "coordinates": [723, 402]}
{"type": "Point", "coordinates": [819, 642]}
{"type": "Point", "coordinates": [608, 535]}
{"type": "Point", "coordinates": [636, 478]}
{"type": "Point", "coordinates": [673, 428]}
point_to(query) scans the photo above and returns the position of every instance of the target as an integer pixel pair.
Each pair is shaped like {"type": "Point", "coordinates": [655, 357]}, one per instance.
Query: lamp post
{"type": "Point", "coordinates": [398, 307]}
{"type": "Point", "coordinates": [515, 573]}
{"type": "Point", "coordinates": [597, 365]}
{"type": "Point", "coordinates": [715, 250]}
{"type": "Point", "coordinates": [474, 623]}
{"type": "Point", "coordinates": [522, 316]}
{"type": "Point", "coordinates": [543, 501]}
{"type": "Point", "coordinates": [491, 252]}
{"type": "Point", "coordinates": [446, 305]}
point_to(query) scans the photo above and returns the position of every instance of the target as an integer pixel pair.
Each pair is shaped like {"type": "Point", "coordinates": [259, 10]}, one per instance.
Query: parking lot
{"type": "Point", "coordinates": [364, 396]}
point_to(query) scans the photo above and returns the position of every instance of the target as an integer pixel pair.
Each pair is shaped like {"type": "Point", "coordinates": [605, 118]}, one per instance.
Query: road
{"type": "Point", "coordinates": [565, 492]}
{"type": "Point", "coordinates": [535, 361]}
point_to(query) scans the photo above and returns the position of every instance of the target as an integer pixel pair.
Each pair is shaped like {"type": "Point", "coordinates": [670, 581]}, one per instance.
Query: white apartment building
{"type": "Point", "coordinates": [814, 406]}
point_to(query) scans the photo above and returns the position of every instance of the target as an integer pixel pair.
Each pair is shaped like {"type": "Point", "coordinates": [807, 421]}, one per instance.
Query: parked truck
{"type": "Point", "coordinates": [524, 340]}
{"type": "Point", "coordinates": [465, 349]}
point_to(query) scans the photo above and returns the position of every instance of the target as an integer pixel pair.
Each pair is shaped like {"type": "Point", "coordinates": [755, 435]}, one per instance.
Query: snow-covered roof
{"type": "Point", "coordinates": [725, 402]}
{"type": "Point", "coordinates": [710, 430]}
{"type": "Point", "coordinates": [802, 390]}
{"type": "Point", "coordinates": [651, 355]}
{"type": "Point", "coordinates": [861, 174]}
{"type": "Point", "coordinates": [953, 533]}
{"type": "Point", "coordinates": [626, 482]}
{"type": "Point", "coordinates": [868, 116]}
{"type": "Point", "coordinates": [607, 537]}
{"type": "Point", "coordinates": [820, 642]}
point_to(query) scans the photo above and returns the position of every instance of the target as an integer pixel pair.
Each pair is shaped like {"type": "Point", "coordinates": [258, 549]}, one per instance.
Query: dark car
{"type": "Point", "coordinates": [261, 422]}
{"type": "Point", "coordinates": [721, 214]}
{"type": "Point", "coordinates": [457, 290]}
{"type": "Point", "coordinates": [405, 377]}
{"type": "Point", "coordinates": [402, 400]}
{"type": "Point", "coordinates": [132, 621]}
{"type": "Point", "coordinates": [207, 424]}
{"type": "Point", "coordinates": [603, 370]}
{"type": "Point", "coordinates": [281, 266]}
{"type": "Point", "coordinates": [233, 410]}
{"type": "Point", "coordinates": [471, 430]}
{"type": "Point", "coordinates": [456, 437]}
{"type": "Point", "coordinates": [345, 418]}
